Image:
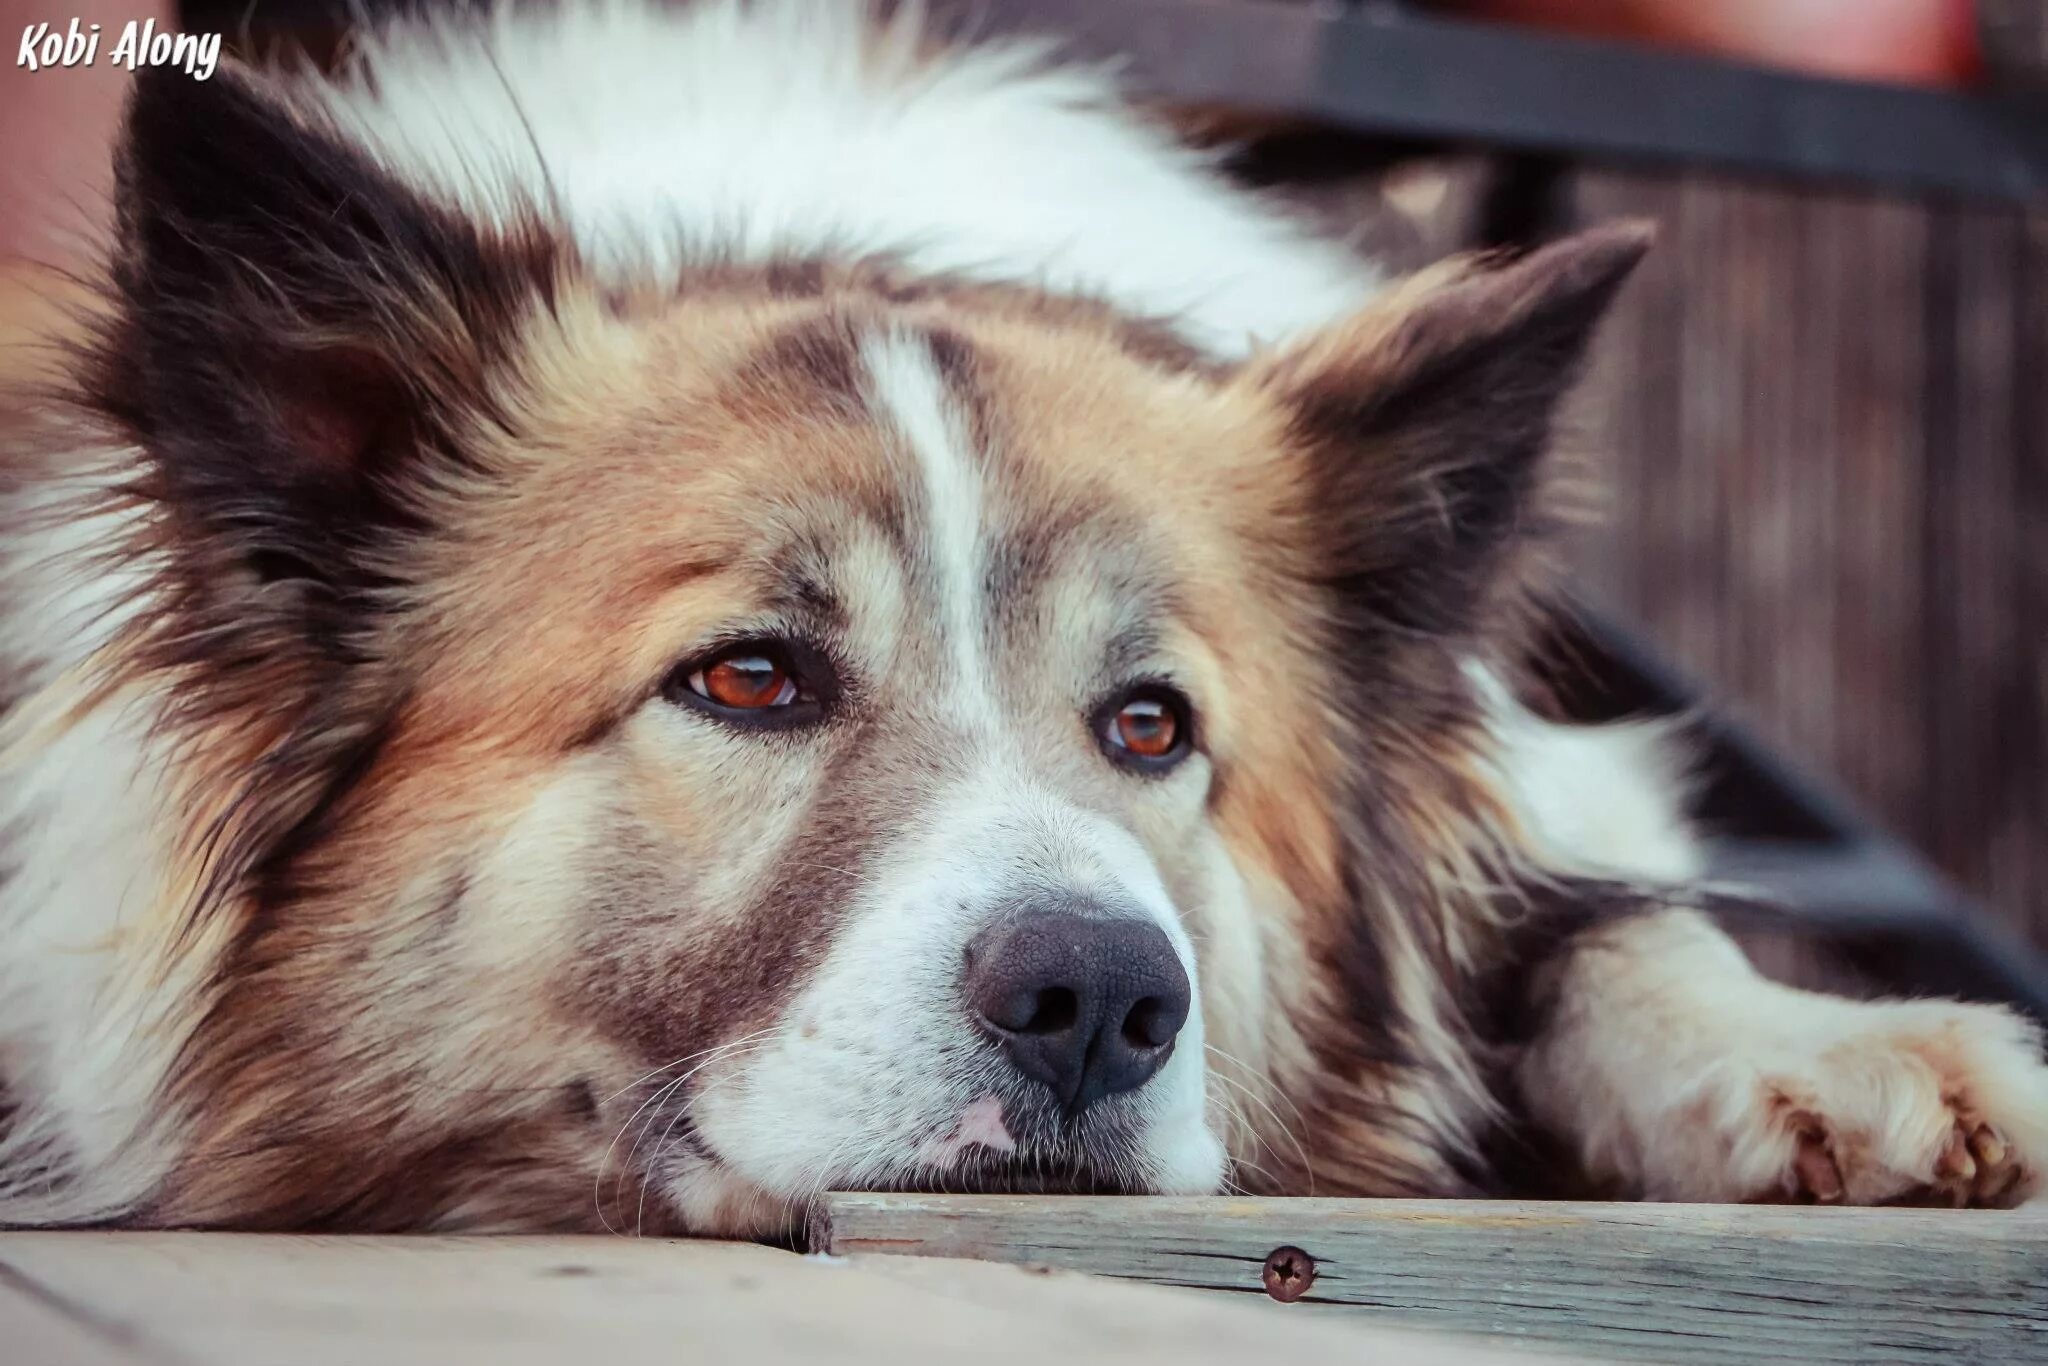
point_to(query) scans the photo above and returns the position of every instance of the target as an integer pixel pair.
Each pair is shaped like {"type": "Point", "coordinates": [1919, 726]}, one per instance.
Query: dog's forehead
{"type": "Point", "coordinates": [989, 483]}
{"type": "Point", "coordinates": [980, 497]}
{"type": "Point", "coordinates": [1001, 533]}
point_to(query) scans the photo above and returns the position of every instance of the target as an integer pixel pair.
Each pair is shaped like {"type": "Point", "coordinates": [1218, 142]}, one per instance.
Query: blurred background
{"type": "Point", "coordinates": [1822, 410]}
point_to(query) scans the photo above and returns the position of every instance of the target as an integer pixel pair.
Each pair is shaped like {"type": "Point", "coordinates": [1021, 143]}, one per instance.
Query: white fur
{"type": "Point", "coordinates": [908, 392]}
{"type": "Point", "coordinates": [1592, 799]}
{"type": "Point", "coordinates": [60, 599]}
{"type": "Point", "coordinates": [88, 990]}
{"type": "Point", "coordinates": [776, 128]}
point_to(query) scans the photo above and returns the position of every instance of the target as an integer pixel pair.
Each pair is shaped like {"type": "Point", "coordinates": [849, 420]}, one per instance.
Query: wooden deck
{"type": "Point", "coordinates": [1434, 1283]}
{"type": "Point", "coordinates": [196, 1299]}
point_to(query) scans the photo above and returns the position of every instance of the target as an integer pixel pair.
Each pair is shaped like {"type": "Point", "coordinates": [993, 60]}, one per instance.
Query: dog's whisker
{"type": "Point", "coordinates": [739, 1049]}
{"type": "Point", "coordinates": [654, 1164]}
{"type": "Point", "coordinates": [1301, 1150]}
{"type": "Point", "coordinates": [708, 1056]}
{"type": "Point", "coordinates": [665, 1067]}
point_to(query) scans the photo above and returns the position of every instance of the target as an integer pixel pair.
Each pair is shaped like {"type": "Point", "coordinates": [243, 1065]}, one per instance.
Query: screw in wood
{"type": "Point", "coordinates": [1288, 1274]}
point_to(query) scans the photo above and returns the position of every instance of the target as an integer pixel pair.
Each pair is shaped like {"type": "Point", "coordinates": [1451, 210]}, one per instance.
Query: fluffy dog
{"type": "Point", "coordinates": [633, 614]}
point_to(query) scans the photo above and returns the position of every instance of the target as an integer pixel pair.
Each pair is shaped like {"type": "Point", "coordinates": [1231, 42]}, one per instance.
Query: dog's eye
{"type": "Point", "coordinates": [1147, 728]}
{"type": "Point", "coordinates": [745, 682]}
{"type": "Point", "coordinates": [762, 682]}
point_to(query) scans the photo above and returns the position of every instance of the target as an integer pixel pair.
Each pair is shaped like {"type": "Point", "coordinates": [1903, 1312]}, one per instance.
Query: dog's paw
{"type": "Point", "coordinates": [1673, 1071]}
{"type": "Point", "coordinates": [1926, 1103]}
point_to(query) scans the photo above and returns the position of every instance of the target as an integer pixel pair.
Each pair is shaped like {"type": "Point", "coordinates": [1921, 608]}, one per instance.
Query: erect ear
{"type": "Point", "coordinates": [295, 333]}
{"type": "Point", "coordinates": [1426, 419]}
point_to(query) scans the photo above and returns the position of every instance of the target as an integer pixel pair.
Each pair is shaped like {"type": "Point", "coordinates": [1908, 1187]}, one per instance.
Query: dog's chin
{"type": "Point", "coordinates": [715, 1197]}
{"type": "Point", "coordinates": [1104, 1158]}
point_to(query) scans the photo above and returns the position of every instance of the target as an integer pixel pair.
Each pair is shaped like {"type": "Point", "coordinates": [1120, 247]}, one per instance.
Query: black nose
{"type": "Point", "coordinates": [1086, 1004]}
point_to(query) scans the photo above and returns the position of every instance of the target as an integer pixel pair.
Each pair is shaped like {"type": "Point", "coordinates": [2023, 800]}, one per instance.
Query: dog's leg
{"type": "Point", "coordinates": [1676, 1072]}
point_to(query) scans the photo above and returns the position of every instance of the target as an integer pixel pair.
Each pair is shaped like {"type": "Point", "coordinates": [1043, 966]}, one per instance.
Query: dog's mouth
{"type": "Point", "coordinates": [1021, 1174]}
{"type": "Point", "coordinates": [996, 1149]}
{"type": "Point", "coordinates": [1015, 1179]}
{"type": "Point", "coordinates": [716, 1183]}
{"type": "Point", "coordinates": [1022, 1148]}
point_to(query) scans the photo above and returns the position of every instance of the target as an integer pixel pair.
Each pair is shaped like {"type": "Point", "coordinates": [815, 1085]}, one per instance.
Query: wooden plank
{"type": "Point", "coordinates": [1737, 1283]}
{"type": "Point", "coordinates": [42, 1331]}
{"type": "Point", "coordinates": [260, 1300]}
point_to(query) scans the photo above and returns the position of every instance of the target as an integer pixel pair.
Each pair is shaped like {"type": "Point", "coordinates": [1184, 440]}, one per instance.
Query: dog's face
{"type": "Point", "coordinates": [665, 753]}
{"type": "Point", "coordinates": [867, 832]}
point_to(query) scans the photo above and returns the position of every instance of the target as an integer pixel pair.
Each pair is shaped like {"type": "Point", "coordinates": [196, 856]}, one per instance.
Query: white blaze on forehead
{"type": "Point", "coordinates": [907, 391]}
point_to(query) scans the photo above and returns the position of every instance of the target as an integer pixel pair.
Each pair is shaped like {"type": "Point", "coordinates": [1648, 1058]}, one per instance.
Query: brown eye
{"type": "Point", "coordinates": [745, 681]}
{"type": "Point", "coordinates": [1147, 729]}
{"type": "Point", "coordinates": [772, 683]}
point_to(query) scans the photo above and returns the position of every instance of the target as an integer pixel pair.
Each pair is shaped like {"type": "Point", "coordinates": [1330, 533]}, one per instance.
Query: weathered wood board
{"type": "Point", "coordinates": [1729, 1283]}
{"type": "Point", "coordinates": [39, 1332]}
{"type": "Point", "coordinates": [204, 1299]}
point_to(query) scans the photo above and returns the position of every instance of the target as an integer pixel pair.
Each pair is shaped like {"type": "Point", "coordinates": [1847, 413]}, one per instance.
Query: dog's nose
{"type": "Point", "coordinates": [1086, 1004]}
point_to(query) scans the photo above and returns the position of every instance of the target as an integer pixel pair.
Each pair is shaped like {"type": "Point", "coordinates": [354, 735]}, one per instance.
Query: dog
{"type": "Point", "coordinates": [625, 615]}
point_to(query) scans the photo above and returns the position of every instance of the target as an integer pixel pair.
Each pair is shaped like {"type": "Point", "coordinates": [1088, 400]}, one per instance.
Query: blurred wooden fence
{"type": "Point", "coordinates": [1826, 416]}
{"type": "Point", "coordinates": [1824, 420]}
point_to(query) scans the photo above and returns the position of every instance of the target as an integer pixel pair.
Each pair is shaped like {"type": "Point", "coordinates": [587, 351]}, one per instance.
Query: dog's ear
{"type": "Point", "coordinates": [294, 333]}
{"type": "Point", "coordinates": [1426, 418]}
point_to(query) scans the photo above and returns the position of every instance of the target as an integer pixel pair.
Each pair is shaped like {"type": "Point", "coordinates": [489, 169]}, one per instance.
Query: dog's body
{"type": "Point", "coordinates": [617, 592]}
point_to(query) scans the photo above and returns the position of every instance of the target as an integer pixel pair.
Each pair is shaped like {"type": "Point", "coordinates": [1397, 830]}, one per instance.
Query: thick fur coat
{"type": "Point", "coordinates": [580, 566]}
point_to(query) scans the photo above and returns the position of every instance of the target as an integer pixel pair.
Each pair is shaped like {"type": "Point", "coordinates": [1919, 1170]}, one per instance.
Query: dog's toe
{"type": "Point", "coordinates": [1815, 1177]}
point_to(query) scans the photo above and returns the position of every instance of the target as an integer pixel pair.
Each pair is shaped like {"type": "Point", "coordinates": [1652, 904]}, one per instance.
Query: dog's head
{"type": "Point", "coordinates": [673, 750]}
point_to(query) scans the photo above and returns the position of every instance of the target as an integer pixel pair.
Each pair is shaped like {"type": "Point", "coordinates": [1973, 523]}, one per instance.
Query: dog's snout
{"type": "Point", "coordinates": [1087, 1005]}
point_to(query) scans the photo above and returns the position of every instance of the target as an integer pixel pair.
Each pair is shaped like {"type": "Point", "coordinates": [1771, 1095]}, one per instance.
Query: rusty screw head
{"type": "Point", "coordinates": [1289, 1273]}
